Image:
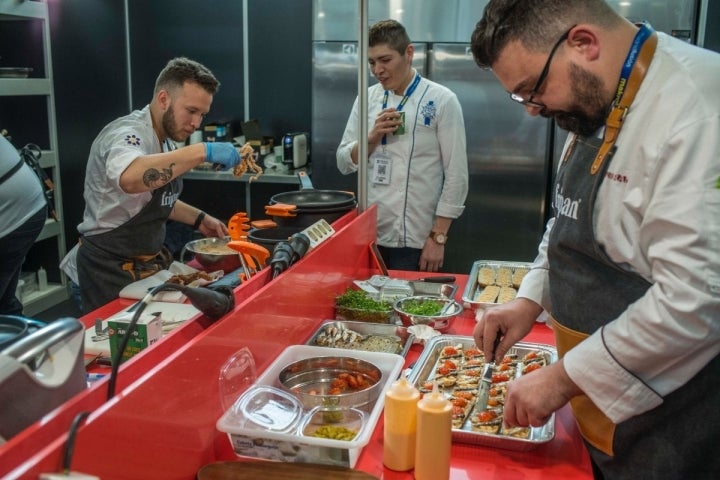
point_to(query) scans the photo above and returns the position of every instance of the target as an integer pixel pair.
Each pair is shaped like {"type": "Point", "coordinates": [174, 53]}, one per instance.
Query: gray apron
{"type": "Point", "coordinates": [675, 440]}
{"type": "Point", "coordinates": [110, 261]}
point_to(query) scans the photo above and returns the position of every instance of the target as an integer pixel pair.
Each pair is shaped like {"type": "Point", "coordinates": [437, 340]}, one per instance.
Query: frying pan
{"type": "Point", "coordinates": [308, 198]}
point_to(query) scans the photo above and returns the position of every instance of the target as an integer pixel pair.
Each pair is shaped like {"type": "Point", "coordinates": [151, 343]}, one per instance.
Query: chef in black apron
{"type": "Point", "coordinates": [593, 300]}
{"type": "Point", "coordinates": [133, 184]}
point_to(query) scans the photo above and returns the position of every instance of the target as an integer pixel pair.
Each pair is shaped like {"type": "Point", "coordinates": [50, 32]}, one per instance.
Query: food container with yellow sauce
{"type": "Point", "coordinates": [292, 439]}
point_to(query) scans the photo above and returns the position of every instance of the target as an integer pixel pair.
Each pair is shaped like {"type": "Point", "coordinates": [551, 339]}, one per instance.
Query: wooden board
{"type": "Point", "coordinates": [249, 470]}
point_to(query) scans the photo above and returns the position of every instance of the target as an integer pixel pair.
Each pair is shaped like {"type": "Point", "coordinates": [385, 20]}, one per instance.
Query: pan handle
{"type": "Point", "coordinates": [305, 183]}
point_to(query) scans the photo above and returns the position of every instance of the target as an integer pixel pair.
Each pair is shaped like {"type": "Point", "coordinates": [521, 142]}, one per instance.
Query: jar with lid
{"type": "Point", "coordinates": [400, 425]}
{"type": "Point", "coordinates": [434, 436]}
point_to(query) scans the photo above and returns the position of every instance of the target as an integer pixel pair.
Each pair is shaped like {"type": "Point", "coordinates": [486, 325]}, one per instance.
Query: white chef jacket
{"type": "Point", "coordinates": [429, 174]}
{"type": "Point", "coordinates": [657, 214]}
{"type": "Point", "coordinates": [107, 206]}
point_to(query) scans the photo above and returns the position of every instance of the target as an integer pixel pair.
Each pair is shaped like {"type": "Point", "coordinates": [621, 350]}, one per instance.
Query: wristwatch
{"type": "Point", "coordinates": [439, 237]}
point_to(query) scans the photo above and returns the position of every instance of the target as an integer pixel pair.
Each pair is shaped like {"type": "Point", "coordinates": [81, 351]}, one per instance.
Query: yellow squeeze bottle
{"type": "Point", "coordinates": [400, 425]}
{"type": "Point", "coordinates": [434, 437]}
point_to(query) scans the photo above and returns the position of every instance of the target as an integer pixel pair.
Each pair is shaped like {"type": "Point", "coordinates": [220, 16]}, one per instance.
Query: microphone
{"type": "Point", "coordinates": [300, 244]}
{"type": "Point", "coordinates": [211, 301]}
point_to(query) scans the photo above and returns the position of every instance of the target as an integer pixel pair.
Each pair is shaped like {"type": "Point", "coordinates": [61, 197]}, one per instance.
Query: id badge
{"type": "Point", "coordinates": [381, 172]}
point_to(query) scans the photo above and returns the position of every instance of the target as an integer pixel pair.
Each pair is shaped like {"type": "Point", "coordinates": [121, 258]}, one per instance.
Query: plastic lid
{"type": "Point", "coordinates": [267, 408]}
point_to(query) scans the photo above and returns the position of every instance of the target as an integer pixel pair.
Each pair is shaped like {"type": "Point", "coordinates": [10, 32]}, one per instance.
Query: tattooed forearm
{"type": "Point", "coordinates": [155, 178]}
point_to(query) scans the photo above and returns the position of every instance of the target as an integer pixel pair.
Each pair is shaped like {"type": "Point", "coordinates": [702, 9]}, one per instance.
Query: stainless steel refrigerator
{"type": "Point", "coordinates": [510, 153]}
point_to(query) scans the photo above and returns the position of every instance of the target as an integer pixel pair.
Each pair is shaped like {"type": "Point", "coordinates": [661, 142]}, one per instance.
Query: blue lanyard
{"type": "Point", "coordinates": [404, 100]}
{"type": "Point", "coordinates": [640, 37]}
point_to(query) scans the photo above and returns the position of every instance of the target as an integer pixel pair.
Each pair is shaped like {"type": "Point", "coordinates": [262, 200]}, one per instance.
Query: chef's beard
{"type": "Point", "coordinates": [589, 109]}
{"type": "Point", "coordinates": [170, 126]}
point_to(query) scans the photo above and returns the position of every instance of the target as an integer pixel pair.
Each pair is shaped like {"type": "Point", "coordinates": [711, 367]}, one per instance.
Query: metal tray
{"type": "Point", "coordinates": [397, 334]}
{"type": "Point", "coordinates": [472, 289]}
{"type": "Point", "coordinates": [396, 288]}
{"type": "Point", "coordinates": [424, 369]}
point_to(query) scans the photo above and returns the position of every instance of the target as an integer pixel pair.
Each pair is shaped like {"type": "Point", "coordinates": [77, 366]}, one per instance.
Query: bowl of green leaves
{"type": "Point", "coordinates": [359, 306]}
{"type": "Point", "coordinates": [436, 312]}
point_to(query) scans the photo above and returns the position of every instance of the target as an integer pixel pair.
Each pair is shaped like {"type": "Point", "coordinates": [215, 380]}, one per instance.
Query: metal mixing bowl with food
{"type": "Point", "coordinates": [213, 254]}
{"type": "Point", "coordinates": [332, 381]}
{"type": "Point", "coordinates": [437, 312]}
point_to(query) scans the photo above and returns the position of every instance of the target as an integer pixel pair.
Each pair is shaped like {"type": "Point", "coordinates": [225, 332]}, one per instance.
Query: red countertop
{"type": "Point", "coordinates": [161, 422]}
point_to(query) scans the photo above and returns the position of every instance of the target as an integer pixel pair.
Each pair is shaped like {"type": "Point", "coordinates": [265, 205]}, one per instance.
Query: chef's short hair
{"type": "Point", "coordinates": [180, 70]}
{"type": "Point", "coordinates": [390, 32]}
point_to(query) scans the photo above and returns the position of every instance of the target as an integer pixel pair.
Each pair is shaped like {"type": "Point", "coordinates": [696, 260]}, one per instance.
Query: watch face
{"type": "Point", "coordinates": [440, 238]}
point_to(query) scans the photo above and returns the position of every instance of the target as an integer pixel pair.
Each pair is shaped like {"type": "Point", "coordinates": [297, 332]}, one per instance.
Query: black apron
{"type": "Point", "coordinates": [587, 289]}
{"type": "Point", "coordinates": [110, 261]}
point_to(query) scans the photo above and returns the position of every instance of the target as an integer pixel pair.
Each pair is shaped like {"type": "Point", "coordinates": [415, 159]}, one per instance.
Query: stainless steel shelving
{"type": "Point", "coordinates": [37, 12]}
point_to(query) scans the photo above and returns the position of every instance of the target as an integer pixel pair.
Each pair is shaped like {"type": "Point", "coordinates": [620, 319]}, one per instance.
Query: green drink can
{"type": "Point", "coordinates": [401, 128]}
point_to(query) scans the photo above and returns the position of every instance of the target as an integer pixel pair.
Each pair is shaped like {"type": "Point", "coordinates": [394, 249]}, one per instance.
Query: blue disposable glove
{"type": "Point", "coordinates": [223, 154]}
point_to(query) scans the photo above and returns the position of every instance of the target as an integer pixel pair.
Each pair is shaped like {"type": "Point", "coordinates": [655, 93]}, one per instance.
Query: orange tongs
{"type": "Point", "coordinates": [253, 257]}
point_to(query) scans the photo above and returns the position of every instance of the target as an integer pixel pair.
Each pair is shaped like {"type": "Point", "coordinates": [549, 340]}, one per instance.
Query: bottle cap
{"type": "Point", "coordinates": [435, 400]}
{"type": "Point", "coordinates": [401, 388]}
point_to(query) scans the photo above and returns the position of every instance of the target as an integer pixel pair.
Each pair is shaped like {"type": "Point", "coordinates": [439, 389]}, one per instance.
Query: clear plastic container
{"type": "Point", "coordinates": [267, 409]}
{"type": "Point", "coordinates": [333, 423]}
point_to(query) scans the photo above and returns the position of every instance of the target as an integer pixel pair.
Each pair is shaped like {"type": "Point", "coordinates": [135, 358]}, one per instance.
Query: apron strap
{"type": "Point", "coordinates": [614, 121]}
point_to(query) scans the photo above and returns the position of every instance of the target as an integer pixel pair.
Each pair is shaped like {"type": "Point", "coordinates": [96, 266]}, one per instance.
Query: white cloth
{"type": "Point", "coordinates": [21, 195]}
{"type": "Point", "coordinates": [657, 214]}
{"type": "Point", "coordinates": [429, 174]}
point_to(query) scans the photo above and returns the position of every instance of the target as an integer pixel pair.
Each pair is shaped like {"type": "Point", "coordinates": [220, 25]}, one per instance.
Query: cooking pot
{"type": "Point", "coordinates": [312, 205]}
{"type": "Point", "coordinates": [269, 237]}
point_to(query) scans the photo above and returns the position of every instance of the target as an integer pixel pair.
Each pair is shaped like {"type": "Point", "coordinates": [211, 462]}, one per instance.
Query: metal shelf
{"type": "Point", "coordinates": [36, 12]}
{"type": "Point", "coordinates": [40, 300]}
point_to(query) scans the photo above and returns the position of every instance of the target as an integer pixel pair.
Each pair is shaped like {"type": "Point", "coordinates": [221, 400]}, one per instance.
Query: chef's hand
{"type": "Point", "coordinates": [222, 153]}
{"type": "Point", "coordinates": [431, 258]}
{"type": "Point", "coordinates": [533, 397]}
{"type": "Point", "coordinates": [386, 122]}
{"type": "Point", "coordinates": [512, 321]}
{"type": "Point", "coordinates": [212, 227]}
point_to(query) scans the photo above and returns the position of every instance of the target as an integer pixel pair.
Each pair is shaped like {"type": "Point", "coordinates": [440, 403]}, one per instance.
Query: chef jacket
{"type": "Point", "coordinates": [657, 214]}
{"type": "Point", "coordinates": [429, 174]}
{"type": "Point", "coordinates": [107, 206]}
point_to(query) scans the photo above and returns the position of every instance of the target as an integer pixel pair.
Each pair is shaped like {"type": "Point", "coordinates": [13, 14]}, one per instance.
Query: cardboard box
{"type": "Point", "coordinates": [147, 331]}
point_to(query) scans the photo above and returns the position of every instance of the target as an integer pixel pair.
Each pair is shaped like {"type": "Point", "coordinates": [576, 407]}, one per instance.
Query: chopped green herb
{"type": "Point", "coordinates": [426, 308]}
{"type": "Point", "coordinates": [360, 300]}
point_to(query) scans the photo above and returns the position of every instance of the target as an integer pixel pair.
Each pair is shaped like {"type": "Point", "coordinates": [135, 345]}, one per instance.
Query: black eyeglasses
{"type": "Point", "coordinates": [542, 77]}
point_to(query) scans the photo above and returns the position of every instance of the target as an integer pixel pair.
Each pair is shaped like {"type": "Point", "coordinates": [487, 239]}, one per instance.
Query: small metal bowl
{"type": "Point", "coordinates": [313, 380]}
{"type": "Point", "coordinates": [441, 322]}
{"type": "Point", "coordinates": [213, 254]}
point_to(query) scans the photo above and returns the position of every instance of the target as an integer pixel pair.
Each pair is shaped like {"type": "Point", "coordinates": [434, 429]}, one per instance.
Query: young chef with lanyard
{"type": "Point", "coordinates": [628, 267]}
{"type": "Point", "coordinates": [417, 166]}
{"type": "Point", "coordinates": [133, 182]}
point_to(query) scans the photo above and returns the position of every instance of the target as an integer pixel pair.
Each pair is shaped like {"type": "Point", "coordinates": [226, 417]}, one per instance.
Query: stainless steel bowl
{"type": "Point", "coordinates": [449, 309]}
{"type": "Point", "coordinates": [213, 254]}
{"type": "Point", "coordinates": [313, 381]}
